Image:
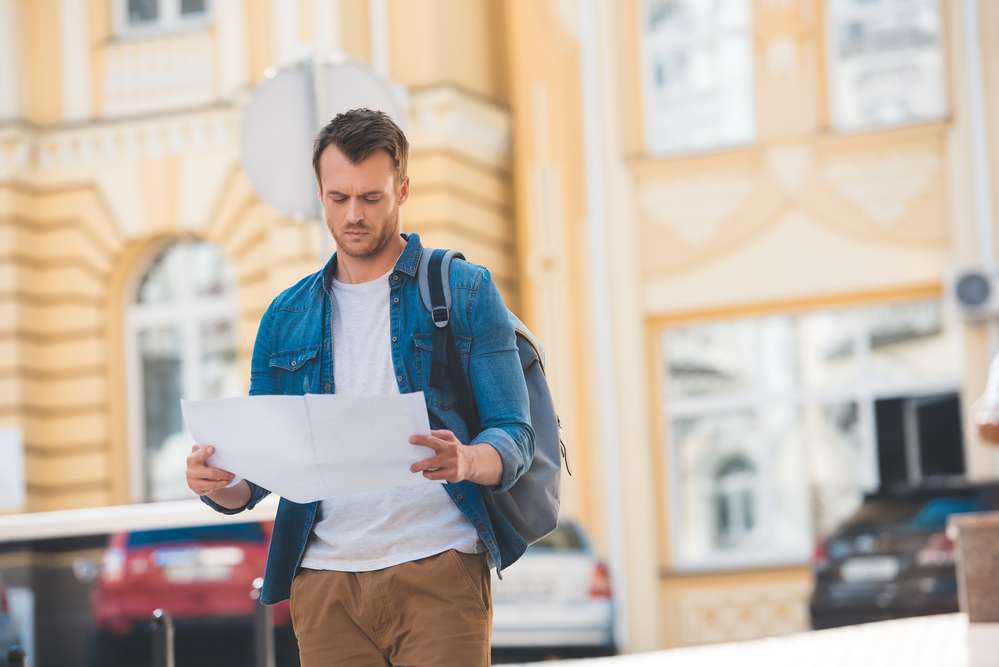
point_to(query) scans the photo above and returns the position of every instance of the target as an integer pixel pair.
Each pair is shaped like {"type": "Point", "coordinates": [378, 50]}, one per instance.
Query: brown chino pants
{"type": "Point", "coordinates": [428, 612]}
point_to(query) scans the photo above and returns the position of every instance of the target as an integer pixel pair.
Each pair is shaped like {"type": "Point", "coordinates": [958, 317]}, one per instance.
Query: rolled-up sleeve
{"type": "Point", "coordinates": [257, 493]}
{"type": "Point", "coordinates": [498, 384]}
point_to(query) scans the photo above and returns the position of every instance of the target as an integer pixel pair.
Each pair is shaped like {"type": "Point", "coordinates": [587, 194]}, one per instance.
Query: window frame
{"type": "Point", "coordinates": [187, 314]}
{"type": "Point", "coordinates": [169, 21]}
{"type": "Point", "coordinates": [864, 392]}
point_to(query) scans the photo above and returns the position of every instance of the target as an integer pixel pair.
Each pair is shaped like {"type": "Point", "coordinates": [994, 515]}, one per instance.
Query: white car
{"type": "Point", "coordinates": [555, 600]}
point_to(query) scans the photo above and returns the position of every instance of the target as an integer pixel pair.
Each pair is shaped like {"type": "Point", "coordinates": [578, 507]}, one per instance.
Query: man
{"type": "Point", "coordinates": [988, 407]}
{"type": "Point", "coordinates": [400, 577]}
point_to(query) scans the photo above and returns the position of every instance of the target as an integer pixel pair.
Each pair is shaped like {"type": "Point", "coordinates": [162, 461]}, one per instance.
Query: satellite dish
{"type": "Point", "coordinates": [288, 108]}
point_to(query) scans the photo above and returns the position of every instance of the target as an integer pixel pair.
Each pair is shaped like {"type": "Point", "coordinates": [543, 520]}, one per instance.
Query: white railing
{"type": "Point", "coordinates": [115, 518]}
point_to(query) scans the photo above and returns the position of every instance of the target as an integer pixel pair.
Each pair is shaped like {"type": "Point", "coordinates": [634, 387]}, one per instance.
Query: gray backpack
{"type": "Point", "coordinates": [531, 506]}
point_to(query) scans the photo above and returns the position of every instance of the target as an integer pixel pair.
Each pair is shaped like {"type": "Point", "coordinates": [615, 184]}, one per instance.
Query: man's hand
{"type": "Point", "coordinates": [989, 432]}
{"type": "Point", "coordinates": [455, 462]}
{"type": "Point", "coordinates": [201, 477]}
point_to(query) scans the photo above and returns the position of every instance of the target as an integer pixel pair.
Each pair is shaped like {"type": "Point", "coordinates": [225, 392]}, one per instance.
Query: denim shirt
{"type": "Point", "coordinates": [293, 355]}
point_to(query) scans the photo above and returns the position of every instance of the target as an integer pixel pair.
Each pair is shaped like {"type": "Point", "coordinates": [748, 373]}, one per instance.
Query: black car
{"type": "Point", "coordinates": [892, 558]}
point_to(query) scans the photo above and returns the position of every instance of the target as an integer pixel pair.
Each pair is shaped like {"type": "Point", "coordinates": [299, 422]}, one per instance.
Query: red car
{"type": "Point", "coordinates": [201, 575]}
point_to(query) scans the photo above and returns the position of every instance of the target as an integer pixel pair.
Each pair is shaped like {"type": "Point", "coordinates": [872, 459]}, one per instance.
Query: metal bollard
{"type": "Point", "coordinates": [263, 628]}
{"type": "Point", "coordinates": [15, 657]}
{"type": "Point", "coordinates": [162, 626]}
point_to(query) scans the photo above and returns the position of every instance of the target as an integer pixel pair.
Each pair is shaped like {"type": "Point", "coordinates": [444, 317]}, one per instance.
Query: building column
{"type": "Point", "coordinates": [972, 205]}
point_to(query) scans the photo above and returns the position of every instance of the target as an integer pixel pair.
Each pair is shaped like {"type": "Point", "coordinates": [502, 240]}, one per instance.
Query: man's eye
{"type": "Point", "coordinates": [339, 200]}
{"type": "Point", "coordinates": [372, 198]}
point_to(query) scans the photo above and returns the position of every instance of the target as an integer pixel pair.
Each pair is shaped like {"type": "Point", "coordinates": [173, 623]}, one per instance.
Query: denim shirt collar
{"type": "Point", "coordinates": [408, 263]}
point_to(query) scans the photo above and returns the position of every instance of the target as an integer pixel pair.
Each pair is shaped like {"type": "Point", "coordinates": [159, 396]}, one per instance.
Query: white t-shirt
{"type": "Point", "coordinates": [371, 531]}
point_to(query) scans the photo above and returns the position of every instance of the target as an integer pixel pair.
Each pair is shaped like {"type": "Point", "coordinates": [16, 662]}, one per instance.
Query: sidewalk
{"type": "Point", "coordinates": [930, 641]}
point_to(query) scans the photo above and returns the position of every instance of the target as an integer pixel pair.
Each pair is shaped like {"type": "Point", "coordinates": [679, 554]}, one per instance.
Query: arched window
{"type": "Point", "coordinates": [181, 328]}
{"type": "Point", "coordinates": [735, 500]}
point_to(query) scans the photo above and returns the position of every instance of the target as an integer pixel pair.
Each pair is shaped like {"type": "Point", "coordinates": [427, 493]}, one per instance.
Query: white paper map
{"type": "Point", "coordinates": [317, 446]}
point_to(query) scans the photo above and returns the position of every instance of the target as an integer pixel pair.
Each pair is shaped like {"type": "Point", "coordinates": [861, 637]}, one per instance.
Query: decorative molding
{"type": "Point", "coordinates": [790, 166]}
{"type": "Point", "coordinates": [694, 208]}
{"type": "Point", "coordinates": [782, 56]}
{"type": "Point", "coordinates": [159, 73]}
{"type": "Point", "coordinates": [79, 148]}
{"type": "Point", "coordinates": [711, 615]}
{"type": "Point", "coordinates": [883, 189]}
{"type": "Point", "coordinates": [16, 147]}
{"type": "Point", "coordinates": [447, 118]}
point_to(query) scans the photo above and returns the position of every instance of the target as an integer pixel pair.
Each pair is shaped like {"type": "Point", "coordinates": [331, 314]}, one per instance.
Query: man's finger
{"type": "Point", "coordinates": [438, 475]}
{"type": "Point", "coordinates": [200, 453]}
{"type": "Point", "coordinates": [430, 441]}
{"type": "Point", "coordinates": [207, 487]}
{"type": "Point", "coordinates": [213, 474]}
{"type": "Point", "coordinates": [444, 434]}
{"type": "Point", "coordinates": [428, 463]}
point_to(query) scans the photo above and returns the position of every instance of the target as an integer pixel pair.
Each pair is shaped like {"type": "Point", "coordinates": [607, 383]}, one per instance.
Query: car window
{"type": "Point", "coordinates": [933, 515]}
{"type": "Point", "coordinates": [229, 532]}
{"type": "Point", "coordinates": [563, 538]}
{"type": "Point", "coordinates": [885, 511]}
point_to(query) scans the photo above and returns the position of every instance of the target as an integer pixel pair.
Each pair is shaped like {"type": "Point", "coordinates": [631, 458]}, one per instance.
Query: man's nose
{"type": "Point", "coordinates": [354, 212]}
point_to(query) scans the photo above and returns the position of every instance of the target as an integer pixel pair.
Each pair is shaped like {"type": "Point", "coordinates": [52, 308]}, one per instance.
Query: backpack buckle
{"type": "Point", "coordinates": [441, 316]}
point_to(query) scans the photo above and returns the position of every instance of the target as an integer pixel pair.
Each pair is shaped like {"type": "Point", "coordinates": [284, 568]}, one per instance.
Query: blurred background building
{"type": "Point", "coordinates": [732, 222]}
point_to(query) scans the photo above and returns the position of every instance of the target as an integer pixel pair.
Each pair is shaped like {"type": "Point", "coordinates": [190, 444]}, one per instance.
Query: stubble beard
{"type": "Point", "coordinates": [376, 242]}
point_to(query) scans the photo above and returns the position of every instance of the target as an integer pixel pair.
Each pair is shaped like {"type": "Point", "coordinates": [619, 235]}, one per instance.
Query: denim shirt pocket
{"type": "Point", "coordinates": [293, 371]}
{"type": "Point", "coordinates": [442, 398]}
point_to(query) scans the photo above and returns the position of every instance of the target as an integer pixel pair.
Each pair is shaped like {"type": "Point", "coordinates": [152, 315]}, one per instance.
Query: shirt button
{"type": "Point", "coordinates": [399, 378]}
{"type": "Point", "coordinates": [329, 387]}
{"type": "Point", "coordinates": [395, 339]}
{"type": "Point", "coordinates": [395, 299]}
{"type": "Point", "coordinates": [395, 277]}
{"type": "Point", "coordinates": [459, 497]}
{"type": "Point", "coordinates": [293, 363]}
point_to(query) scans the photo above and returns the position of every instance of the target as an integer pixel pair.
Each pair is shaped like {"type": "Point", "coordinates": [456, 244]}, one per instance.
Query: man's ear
{"type": "Point", "coordinates": [404, 190]}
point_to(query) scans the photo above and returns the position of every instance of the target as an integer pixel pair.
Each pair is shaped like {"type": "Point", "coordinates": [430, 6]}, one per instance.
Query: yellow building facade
{"type": "Point", "coordinates": [738, 257]}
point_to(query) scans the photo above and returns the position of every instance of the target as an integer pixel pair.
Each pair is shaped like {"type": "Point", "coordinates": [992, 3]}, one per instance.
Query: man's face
{"type": "Point", "coordinates": [360, 201]}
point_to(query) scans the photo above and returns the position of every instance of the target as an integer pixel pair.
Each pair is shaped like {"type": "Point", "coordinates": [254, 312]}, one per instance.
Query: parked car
{"type": "Point", "coordinates": [555, 600]}
{"type": "Point", "coordinates": [201, 575]}
{"type": "Point", "coordinates": [9, 636]}
{"type": "Point", "coordinates": [892, 558]}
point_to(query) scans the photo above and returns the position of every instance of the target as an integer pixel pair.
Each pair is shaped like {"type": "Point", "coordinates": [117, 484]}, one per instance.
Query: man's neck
{"type": "Point", "coordinates": [365, 269]}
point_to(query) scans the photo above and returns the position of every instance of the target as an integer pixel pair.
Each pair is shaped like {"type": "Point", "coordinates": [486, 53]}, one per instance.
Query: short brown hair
{"type": "Point", "coordinates": [360, 132]}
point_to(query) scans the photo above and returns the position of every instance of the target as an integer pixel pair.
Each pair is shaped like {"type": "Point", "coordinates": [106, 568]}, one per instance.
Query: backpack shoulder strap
{"type": "Point", "coordinates": [435, 284]}
{"type": "Point", "coordinates": [435, 290]}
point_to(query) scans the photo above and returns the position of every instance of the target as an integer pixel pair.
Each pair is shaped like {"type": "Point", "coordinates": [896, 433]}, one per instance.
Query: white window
{"type": "Point", "coordinates": [886, 63]}
{"type": "Point", "coordinates": [697, 74]}
{"type": "Point", "coordinates": [182, 343]}
{"type": "Point", "coordinates": [735, 500]}
{"type": "Point", "coordinates": [774, 424]}
{"type": "Point", "coordinates": [141, 17]}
